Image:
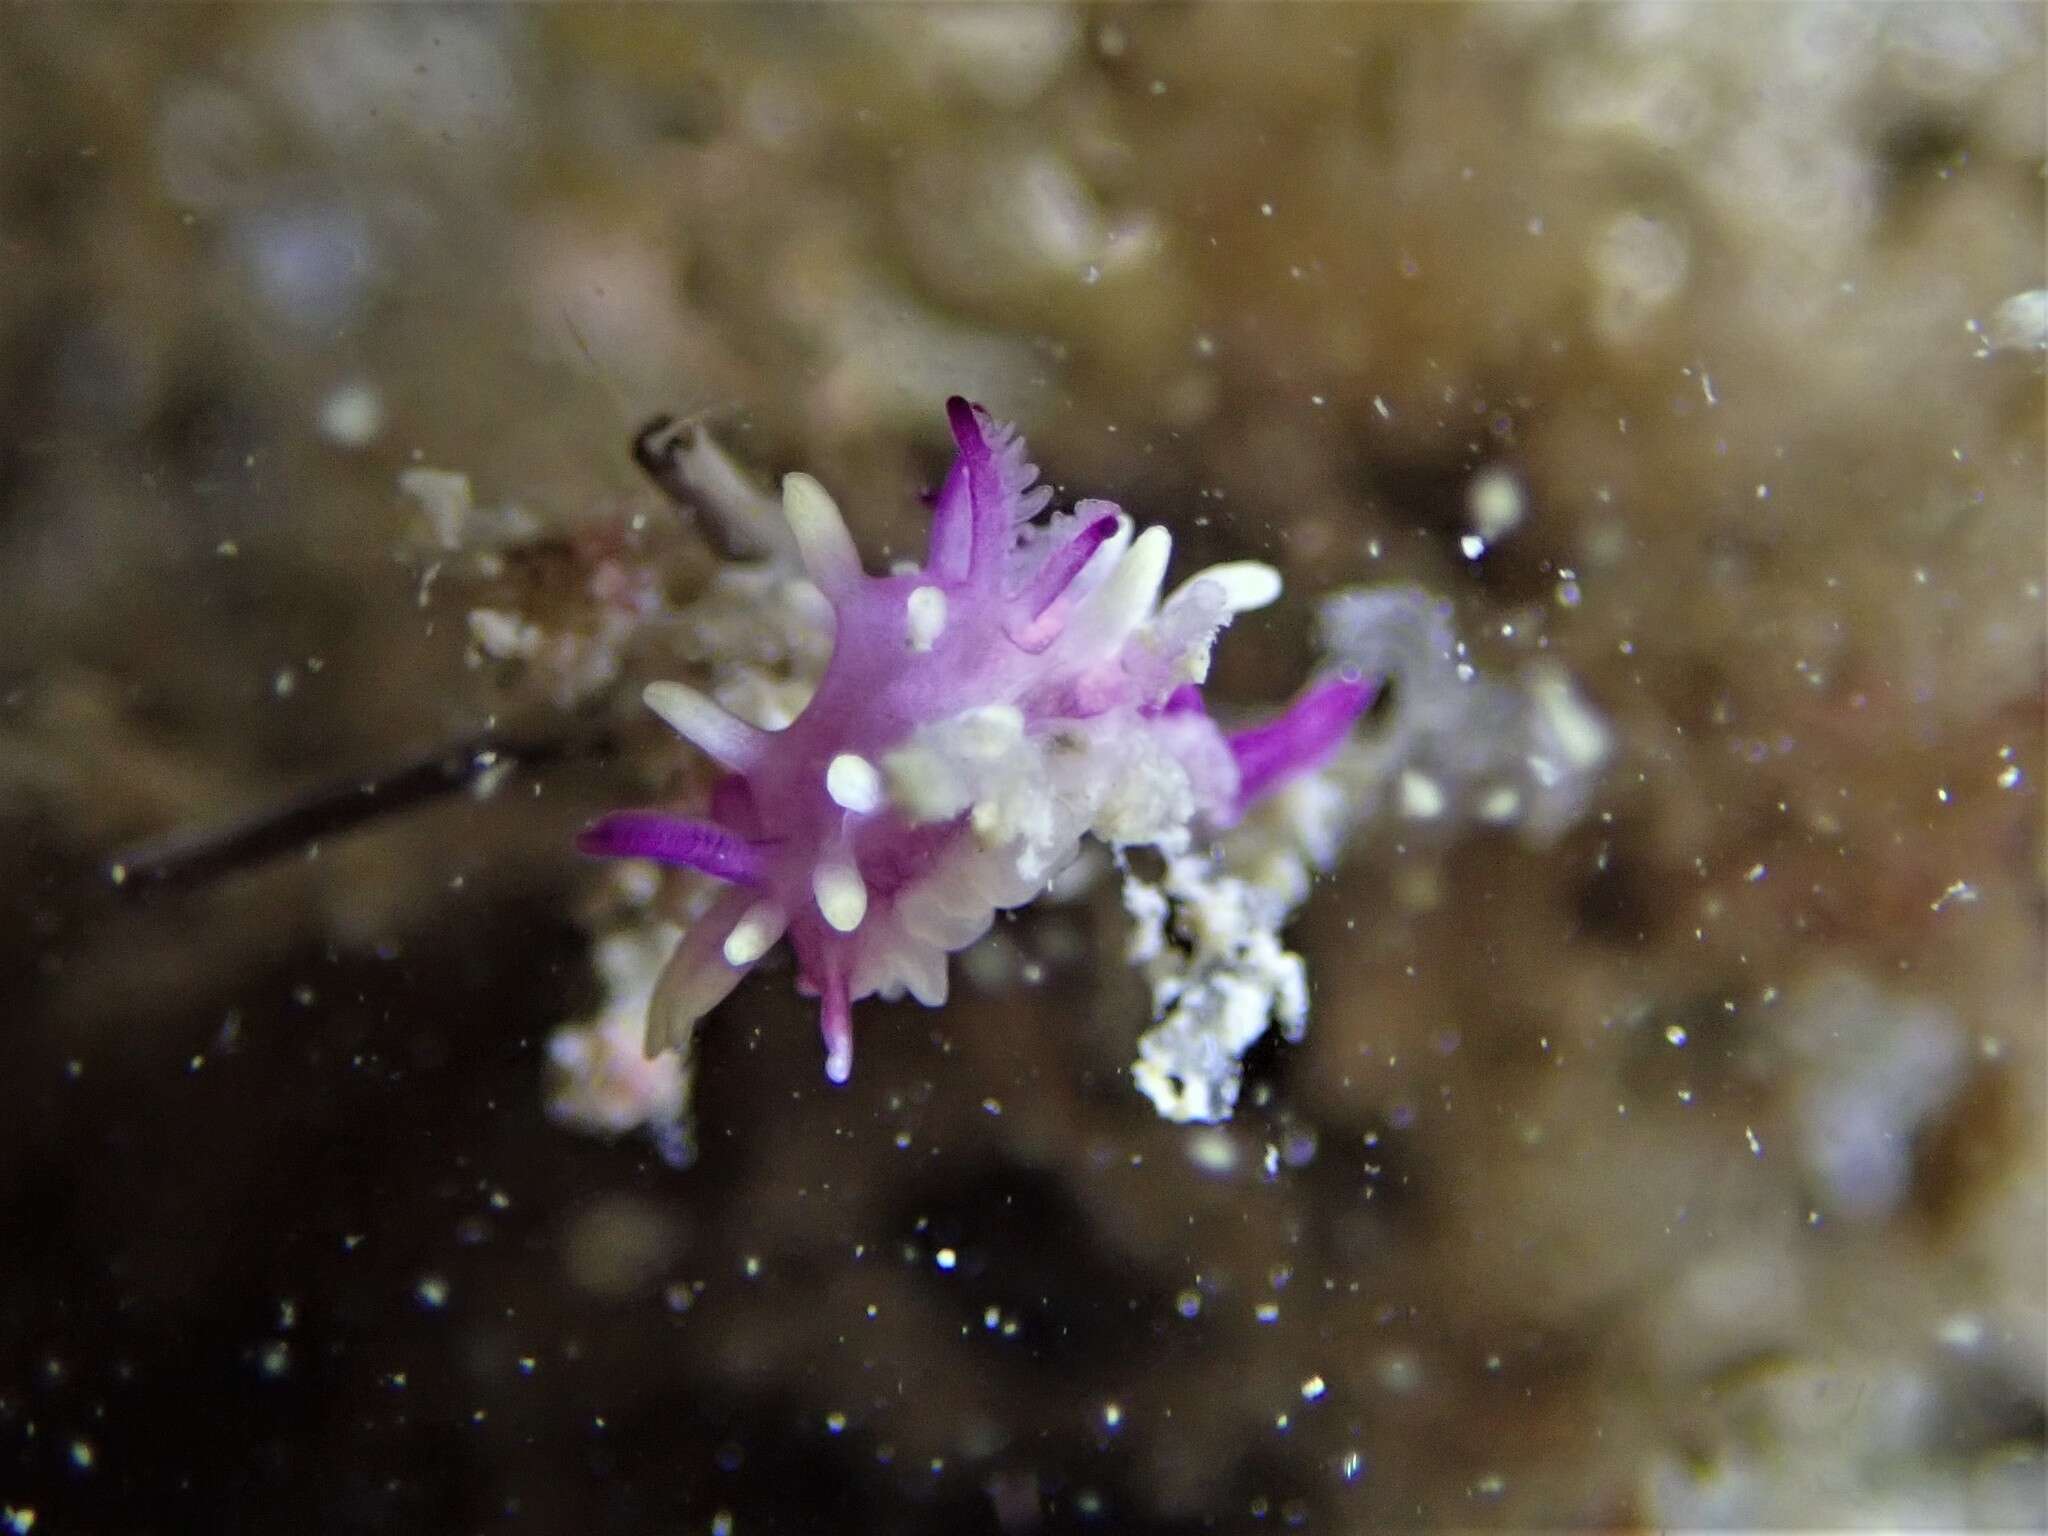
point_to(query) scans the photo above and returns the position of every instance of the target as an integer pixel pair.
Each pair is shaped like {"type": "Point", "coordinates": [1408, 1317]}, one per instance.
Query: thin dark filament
{"type": "Point", "coordinates": [192, 857]}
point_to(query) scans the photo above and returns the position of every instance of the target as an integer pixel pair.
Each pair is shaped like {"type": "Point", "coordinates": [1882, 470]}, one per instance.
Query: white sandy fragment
{"type": "Point", "coordinates": [444, 499]}
{"type": "Point", "coordinates": [1209, 944]}
{"type": "Point", "coordinates": [504, 636]}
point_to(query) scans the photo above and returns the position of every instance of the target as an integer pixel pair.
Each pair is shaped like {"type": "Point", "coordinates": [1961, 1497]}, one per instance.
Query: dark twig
{"type": "Point", "coordinates": [658, 450]}
{"type": "Point", "coordinates": [188, 858]}
{"type": "Point", "coordinates": [736, 517]}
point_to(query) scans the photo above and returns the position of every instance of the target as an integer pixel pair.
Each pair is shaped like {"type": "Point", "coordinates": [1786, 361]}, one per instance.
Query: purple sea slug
{"type": "Point", "coordinates": [1025, 687]}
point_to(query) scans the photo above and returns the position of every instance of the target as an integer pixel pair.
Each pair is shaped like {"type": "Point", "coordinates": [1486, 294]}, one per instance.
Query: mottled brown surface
{"type": "Point", "coordinates": [1704, 276]}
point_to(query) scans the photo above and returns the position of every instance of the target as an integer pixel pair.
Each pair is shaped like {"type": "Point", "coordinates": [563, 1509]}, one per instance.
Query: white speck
{"type": "Point", "coordinates": [1961, 1331]}
{"type": "Point", "coordinates": [352, 416]}
{"type": "Point", "coordinates": [1399, 1373]}
{"type": "Point", "coordinates": [1675, 1033]}
{"type": "Point", "coordinates": [1500, 805]}
{"type": "Point", "coordinates": [1756, 1148]}
{"type": "Point", "coordinates": [1756, 873]}
{"type": "Point", "coordinates": [1349, 1465]}
{"type": "Point", "coordinates": [946, 1258]}
{"type": "Point", "coordinates": [1422, 798]}
{"type": "Point", "coordinates": [431, 1292]}
{"type": "Point", "coordinates": [1380, 407]}
{"type": "Point", "coordinates": [1212, 1150]}
{"type": "Point", "coordinates": [18, 1521]}
{"type": "Point", "coordinates": [2009, 778]}
{"type": "Point", "coordinates": [1188, 1303]}
{"type": "Point", "coordinates": [835, 1422]}
{"type": "Point", "coordinates": [1472, 546]}
{"type": "Point", "coordinates": [82, 1455]}
{"type": "Point", "coordinates": [1496, 503]}
{"type": "Point", "coordinates": [1960, 893]}
{"type": "Point", "coordinates": [1112, 1414]}
{"type": "Point", "coordinates": [1266, 209]}
{"type": "Point", "coordinates": [1313, 1388]}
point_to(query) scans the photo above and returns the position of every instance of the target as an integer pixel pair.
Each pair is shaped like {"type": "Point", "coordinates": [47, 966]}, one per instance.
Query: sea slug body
{"type": "Point", "coordinates": [980, 715]}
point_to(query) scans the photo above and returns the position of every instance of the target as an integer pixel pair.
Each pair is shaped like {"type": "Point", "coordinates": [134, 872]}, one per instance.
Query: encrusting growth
{"type": "Point", "coordinates": [1023, 689]}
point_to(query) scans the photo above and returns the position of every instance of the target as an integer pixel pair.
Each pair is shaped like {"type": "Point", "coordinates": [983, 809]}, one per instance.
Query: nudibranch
{"type": "Point", "coordinates": [1026, 687]}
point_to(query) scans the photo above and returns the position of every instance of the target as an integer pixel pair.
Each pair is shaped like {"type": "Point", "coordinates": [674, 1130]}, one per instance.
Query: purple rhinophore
{"type": "Point", "coordinates": [1025, 688]}
{"type": "Point", "coordinates": [677, 840]}
{"type": "Point", "coordinates": [1301, 740]}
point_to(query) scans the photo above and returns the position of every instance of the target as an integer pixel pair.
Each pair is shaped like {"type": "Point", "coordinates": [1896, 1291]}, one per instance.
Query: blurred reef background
{"type": "Point", "coordinates": [1687, 1168]}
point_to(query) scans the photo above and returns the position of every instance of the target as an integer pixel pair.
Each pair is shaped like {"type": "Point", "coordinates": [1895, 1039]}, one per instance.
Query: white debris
{"type": "Point", "coordinates": [1454, 746]}
{"type": "Point", "coordinates": [444, 499]}
{"type": "Point", "coordinates": [2020, 323]}
{"type": "Point", "coordinates": [1874, 1069]}
{"type": "Point", "coordinates": [1453, 749]}
{"type": "Point", "coordinates": [1210, 947]}
{"type": "Point", "coordinates": [603, 1082]}
{"type": "Point", "coordinates": [1421, 799]}
{"type": "Point", "coordinates": [505, 636]}
{"type": "Point", "coordinates": [1638, 265]}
